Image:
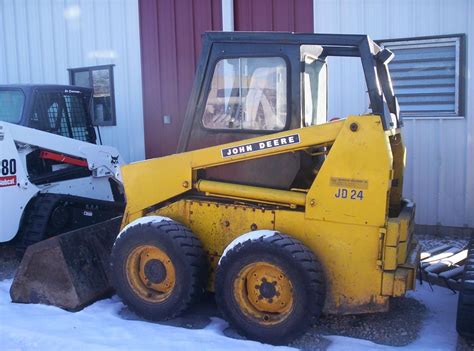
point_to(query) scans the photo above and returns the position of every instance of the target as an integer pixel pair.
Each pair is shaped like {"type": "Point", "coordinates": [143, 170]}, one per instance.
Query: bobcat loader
{"type": "Point", "coordinates": [53, 177]}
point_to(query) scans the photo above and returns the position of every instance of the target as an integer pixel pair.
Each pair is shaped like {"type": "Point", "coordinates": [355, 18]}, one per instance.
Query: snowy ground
{"type": "Point", "coordinates": [102, 327]}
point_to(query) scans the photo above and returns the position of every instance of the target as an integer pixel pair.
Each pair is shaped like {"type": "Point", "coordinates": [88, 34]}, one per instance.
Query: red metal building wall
{"type": "Point", "coordinates": [274, 15]}
{"type": "Point", "coordinates": [170, 35]}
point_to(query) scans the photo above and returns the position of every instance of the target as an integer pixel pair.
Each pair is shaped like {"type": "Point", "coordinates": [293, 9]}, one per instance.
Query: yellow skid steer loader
{"type": "Point", "coordinates": [283, 215]}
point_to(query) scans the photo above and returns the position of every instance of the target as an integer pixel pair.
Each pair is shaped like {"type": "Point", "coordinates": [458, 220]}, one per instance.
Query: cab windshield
{"type": "Point", "coordinates": [11, 105]}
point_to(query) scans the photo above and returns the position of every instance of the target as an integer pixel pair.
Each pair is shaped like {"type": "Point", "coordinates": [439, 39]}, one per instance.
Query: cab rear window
{"type": "Point", "coordinates": [61, 113]}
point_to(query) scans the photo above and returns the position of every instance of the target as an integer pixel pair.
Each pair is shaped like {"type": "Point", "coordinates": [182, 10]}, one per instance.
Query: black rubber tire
{"type": "Point", "coordinates": [186, 254]}
{"type": "Point", "coordinates": [35, 223]}
{"type": "Point", "coordinates": [299, 264]}
{"type": "Point", "coordinates": [38, 222]}
{"type": "Point", "coordinates": [465, 312]}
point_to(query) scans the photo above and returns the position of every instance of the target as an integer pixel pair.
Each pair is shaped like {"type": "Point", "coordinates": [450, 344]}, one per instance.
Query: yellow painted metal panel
{"type": "Point", "coordinates": [390, 258]}
{"type": "Point", "coordinates": [402, 277]}
{"type": "Point", "coordinates": [360, 156]}
{"type": "Point", "coordinates": [149, 182]}
{"type": "Point", "coordinates": [387, 283]}
{"type": "Point", "coordinates": [402, 252]}
{"type": "Point", "coordinates": [404, 224]}
{"type": "Point", "coordinates": [393, 227]}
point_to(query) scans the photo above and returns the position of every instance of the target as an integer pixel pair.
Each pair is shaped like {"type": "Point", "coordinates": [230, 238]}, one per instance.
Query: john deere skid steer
{"type": "Point", "coordinates": [280, 213]}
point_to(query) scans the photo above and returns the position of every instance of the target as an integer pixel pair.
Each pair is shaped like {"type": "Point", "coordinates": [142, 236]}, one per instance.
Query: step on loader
{"type": "Point", "coordinates": [282, 215]}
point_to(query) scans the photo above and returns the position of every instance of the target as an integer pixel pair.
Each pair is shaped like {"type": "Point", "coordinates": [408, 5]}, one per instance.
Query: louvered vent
{"type": "Point", "coordinates": [425, 76]}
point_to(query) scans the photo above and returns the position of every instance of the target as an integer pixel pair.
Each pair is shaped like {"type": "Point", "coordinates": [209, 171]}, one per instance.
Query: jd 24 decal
{"type": "Point", "coordinates": [261, 145]}
{"type": "Point", "coordinates": [350, 194]}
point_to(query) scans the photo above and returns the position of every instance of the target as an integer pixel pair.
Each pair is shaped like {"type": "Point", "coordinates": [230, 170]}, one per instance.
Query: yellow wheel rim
{"type": "Point", "coordinates": [150, 273]}
{"type": "Point", "coordinates": [264, 293]}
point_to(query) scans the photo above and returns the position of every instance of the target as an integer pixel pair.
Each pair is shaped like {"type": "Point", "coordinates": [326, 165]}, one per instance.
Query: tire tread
{"type": "Point", "coordinates": [312, 272]}
{"type": "Point", "coordinates": [193, 252]}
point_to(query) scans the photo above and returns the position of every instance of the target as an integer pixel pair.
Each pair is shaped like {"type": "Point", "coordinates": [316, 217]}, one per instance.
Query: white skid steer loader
{"type": "Point", "coordinates": [55, 182]}
{"type": "Point", "coordinates": [53, 177]}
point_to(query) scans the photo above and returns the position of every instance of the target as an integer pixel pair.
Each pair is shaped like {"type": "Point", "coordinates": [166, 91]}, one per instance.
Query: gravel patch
{"type": "Point", "coordinates": [429, 242]}
{"type": "Point", "coordinates": [311, 341]}
{"type": "Point", "coordinates": [397, 327]}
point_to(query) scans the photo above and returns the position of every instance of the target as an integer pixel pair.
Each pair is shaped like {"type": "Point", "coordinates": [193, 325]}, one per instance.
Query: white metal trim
{"type": "Point", "coordinates": [227, 15]}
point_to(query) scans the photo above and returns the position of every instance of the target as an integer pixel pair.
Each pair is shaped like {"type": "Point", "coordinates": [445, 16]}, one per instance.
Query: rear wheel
{"type": "Point", "coordinates": [158, 269]}
{"type": "Point", "coordinates": [270, 289]}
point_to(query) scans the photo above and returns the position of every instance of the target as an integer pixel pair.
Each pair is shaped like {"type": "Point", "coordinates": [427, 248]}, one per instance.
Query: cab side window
{"type": "Point", "coordinates": [248, 94]}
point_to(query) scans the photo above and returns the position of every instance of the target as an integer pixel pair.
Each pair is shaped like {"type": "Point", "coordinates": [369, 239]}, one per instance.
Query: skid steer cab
{"type": "Point", "coordinates": [280, 213]}
{"type": "Point", "coordinates": [53, 176]}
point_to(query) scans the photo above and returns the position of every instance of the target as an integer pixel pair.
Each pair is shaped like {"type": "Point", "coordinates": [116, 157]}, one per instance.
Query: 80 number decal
{"type": "Point", "coordinates": [342, 193]}
{"type": "Point", "coordinates": [8, 167]}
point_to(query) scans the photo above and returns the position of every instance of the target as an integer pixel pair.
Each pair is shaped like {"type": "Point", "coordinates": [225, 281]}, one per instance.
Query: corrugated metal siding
{"type": "Point", "coordinates": [171, 41]}
{"type": "Point", "coordinates": [440, 163]}
{"type": "Point", "coordinates": [273, 15]}
{"type": "Point", "coordinates": [41, 39]}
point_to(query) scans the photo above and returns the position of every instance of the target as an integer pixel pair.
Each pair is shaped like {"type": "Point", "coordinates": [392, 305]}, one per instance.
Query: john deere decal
{"type": "Point", "coordinates": [261, 145]}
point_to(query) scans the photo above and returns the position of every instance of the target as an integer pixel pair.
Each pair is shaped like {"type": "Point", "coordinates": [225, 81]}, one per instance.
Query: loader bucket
{"type": "Point", "coordinates": [70, 270]}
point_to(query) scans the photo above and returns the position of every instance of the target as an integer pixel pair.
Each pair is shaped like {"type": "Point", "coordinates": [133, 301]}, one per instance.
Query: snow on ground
{"type": "Point", "coordinates": [100, 327]}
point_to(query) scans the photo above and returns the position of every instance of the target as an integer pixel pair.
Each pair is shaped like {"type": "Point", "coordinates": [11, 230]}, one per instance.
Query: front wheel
{"type": "Point", "coordinates": [271, 289]}
{"type": "Point", "coordinates": [158, 269]}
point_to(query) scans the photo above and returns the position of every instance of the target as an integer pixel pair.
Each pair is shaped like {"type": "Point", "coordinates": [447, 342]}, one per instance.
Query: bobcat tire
{"type": "Point", "coordinates": [158, 269]}
{"type": "Point", "coordinates": [35, 225]}
{"type": "Point", "coordinates": [465, 313]}
{"type": "Point", "coordinates": [270, 289]}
